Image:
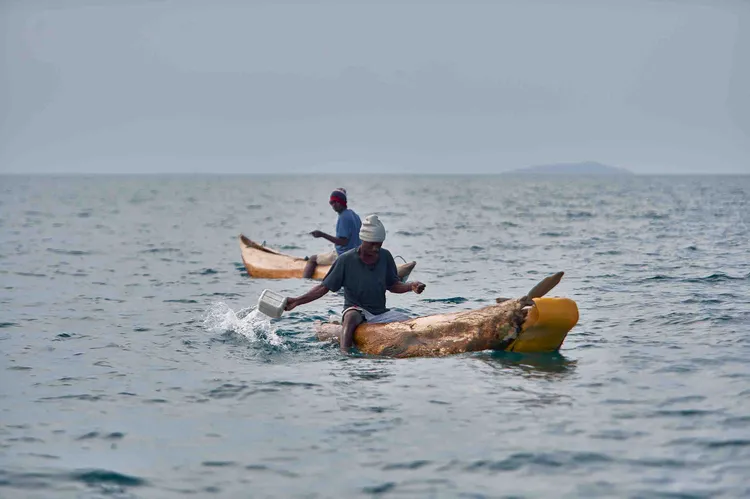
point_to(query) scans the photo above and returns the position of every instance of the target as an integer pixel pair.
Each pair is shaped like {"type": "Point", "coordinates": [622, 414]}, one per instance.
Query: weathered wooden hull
{"type": "Point", "coordinates": [512, 326]}
{"type": "Point", "coordinates": [265, 263]}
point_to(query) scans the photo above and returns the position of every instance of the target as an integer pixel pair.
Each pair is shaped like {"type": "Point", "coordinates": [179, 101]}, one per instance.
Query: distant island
{"type": "Point", "coordinates": [583, 168]}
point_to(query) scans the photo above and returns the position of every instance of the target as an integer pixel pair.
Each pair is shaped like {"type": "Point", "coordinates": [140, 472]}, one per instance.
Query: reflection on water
{"type": "Point", "coordinates": [537, 365]}
{"type": "Point", "coordinates": [364, 368]}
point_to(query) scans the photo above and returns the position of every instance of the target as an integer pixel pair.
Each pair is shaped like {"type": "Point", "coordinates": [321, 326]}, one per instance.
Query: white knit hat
{"type": "Point", "coordinates": [372, 230]}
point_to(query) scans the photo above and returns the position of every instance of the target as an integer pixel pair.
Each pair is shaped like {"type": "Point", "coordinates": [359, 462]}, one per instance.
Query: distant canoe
{"type": "Point", "coordinates": [264, 263]}
{"type": "Point", "coordinates": [518, 325]}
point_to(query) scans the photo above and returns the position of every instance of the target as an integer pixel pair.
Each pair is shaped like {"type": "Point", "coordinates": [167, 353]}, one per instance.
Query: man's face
{"type": "Point", "coordinates": [337, 207]}
{"type": "Point", "coordinates": [370, 251]}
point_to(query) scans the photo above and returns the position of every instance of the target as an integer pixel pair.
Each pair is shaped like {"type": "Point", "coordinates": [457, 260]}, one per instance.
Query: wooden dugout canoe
{"type": "Point", "coordinates": [264, 263]}
{"type": "Point", "coordinates": [517, 325]}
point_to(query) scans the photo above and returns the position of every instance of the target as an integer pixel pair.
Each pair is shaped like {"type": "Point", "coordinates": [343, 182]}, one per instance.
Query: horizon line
{"type": "Point", "coordinates": [624, 174]}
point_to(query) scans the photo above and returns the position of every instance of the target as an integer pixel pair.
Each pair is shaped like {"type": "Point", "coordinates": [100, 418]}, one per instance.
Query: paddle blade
{"type": "Point", "coordinates": [545, 286]}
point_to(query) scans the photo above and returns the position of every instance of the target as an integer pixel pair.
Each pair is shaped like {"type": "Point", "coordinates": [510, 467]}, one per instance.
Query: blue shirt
{"type": "Point", "coordinates": [348, 226]}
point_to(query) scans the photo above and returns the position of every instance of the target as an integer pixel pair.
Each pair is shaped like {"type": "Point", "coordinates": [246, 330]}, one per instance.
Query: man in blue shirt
{"type": "Point", "coordinates": [347, 233]}
{"type": "Point", "coordinates": [365, 273]}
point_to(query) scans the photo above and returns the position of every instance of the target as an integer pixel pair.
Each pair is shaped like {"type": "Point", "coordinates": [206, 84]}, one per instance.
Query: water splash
{"type": "Point", "coordinates": [248, 323]}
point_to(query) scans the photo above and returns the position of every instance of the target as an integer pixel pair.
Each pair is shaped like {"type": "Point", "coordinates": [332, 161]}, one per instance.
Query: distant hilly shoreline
{"type": "Point", "coordinates": [582, 168]}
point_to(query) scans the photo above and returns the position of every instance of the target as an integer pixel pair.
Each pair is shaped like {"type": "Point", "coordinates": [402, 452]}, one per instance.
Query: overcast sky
{"type": "Point", "coordinates": [245, 87]}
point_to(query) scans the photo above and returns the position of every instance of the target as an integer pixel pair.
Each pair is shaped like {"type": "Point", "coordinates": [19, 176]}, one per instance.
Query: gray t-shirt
{"type": "Point", "coordinates": [364, 285]}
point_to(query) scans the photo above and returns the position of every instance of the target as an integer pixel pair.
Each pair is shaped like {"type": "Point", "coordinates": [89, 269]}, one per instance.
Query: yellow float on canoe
{"type": "Point", "coordinates": [528, 324]}
{"type": "Point", "coordinates": [264, 263]}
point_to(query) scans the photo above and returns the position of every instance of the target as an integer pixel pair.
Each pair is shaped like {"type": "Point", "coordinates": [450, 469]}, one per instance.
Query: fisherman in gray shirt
{"type": "Point", "coordinates": [365, 273]}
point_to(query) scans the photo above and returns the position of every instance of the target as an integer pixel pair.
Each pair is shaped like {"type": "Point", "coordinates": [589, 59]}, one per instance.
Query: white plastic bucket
{"type": "Point", "coordinates": [271, 304]}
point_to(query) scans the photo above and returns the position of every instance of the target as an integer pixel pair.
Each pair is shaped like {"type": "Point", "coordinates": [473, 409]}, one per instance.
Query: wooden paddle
{"type": "Point", "coordinates": [542, 288]}
{"type": "Point", "coordinates": [545, 285]}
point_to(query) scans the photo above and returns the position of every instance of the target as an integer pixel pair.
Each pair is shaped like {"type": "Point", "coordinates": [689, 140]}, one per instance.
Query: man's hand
{"type": "Point", "coordinates": [316, 234]}
{"type": "Point", "coordinates": [417, 287]}
{"type": "Point", "coordinates": [291, 304]}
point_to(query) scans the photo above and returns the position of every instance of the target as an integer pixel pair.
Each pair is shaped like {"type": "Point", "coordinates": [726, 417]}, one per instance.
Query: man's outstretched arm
{"type": "Point", "coordinates": [405, 287]}
{"type": "Point", "coordinates": [317, 292]}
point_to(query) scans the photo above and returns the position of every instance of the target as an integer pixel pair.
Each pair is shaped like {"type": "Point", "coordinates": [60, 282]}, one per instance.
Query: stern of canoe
{"type": "Point", "coordinates": [547, 325]}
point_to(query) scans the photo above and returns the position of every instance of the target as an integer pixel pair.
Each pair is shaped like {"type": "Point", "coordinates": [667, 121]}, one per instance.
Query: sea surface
{"type": "Point", "coordinates": [133, 364]}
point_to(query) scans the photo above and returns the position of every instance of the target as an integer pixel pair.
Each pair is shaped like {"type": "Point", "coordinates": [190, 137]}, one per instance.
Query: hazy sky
{"type": "Point", "coordinates": [239, 86]}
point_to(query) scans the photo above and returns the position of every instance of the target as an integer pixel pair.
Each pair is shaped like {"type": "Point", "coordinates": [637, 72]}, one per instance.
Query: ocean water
{"type": "Point", "coordinates": [133, 364]}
